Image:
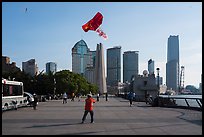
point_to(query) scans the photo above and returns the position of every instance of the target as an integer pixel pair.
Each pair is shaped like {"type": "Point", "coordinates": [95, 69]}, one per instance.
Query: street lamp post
{"type": "Point", "coordinates": [54, 85]}
{"type": "Point", "coordinates": [158, 85]}
{"type": "Point", "coordinates": [132, 83]}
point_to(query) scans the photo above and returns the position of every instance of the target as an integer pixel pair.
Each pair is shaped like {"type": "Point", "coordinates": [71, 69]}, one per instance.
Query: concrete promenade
{"type": "Point", "coordinates": [112, 117]}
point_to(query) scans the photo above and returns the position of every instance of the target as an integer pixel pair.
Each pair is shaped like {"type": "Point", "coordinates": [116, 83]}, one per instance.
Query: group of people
{"type": "Point", "coordinates": [88, 105]}
{"type": "Point", "coordinates": [148, 98]}
{"type": "Point", "coordinates": [89, 101]}
{"type": "Point", "coordinates": [65, 97]}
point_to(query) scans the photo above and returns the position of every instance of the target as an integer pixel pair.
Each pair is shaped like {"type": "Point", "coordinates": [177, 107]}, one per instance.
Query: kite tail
{"type": "Point", "coordinates": [101, 33]}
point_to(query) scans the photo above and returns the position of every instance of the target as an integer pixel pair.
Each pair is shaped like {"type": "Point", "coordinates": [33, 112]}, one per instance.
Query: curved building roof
{"type": "Point", "coordinates": [80, 47]}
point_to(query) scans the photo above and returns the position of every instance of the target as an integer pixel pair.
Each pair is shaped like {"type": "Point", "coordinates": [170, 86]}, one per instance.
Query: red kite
{"type": "Point", "coordinates": [94, 24]}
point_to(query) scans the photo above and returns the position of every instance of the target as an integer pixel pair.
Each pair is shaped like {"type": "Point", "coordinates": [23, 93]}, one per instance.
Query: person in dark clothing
{"type": "Point", "coordinates": [98, 97]}
{"type": "Point", "coordinates": [35, 101]}
{"type": "Point", "coordinates": [130, 97]}
{"type": "Point", "coordinates": [146, 97]}
{"type": "Point", "coordinates": [72, 96]}
{"type": "Point", "coordinates": [106, 96]}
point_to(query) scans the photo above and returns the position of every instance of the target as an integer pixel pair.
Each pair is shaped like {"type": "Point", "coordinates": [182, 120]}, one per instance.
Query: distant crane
{"type": "Point", "coordinates": [181, 83]}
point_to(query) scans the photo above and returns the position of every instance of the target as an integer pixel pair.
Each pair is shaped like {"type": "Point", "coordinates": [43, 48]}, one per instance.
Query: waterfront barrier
{"type": "Point", "coordinates": [182, 101]}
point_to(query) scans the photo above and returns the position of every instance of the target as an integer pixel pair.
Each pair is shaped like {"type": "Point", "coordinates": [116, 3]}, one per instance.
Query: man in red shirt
{"type": "Point", "coordinates": [88, 108]}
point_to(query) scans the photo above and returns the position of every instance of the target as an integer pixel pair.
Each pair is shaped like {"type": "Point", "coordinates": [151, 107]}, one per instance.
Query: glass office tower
{"type": "Point", "coordinates": [130, 65]}
{"type": "Point", "coordinates": [113, 65]}
{"type": "Point", "coordinates": [81, 57]}
{"type": "Point", "coordinates": [151, 66]}
{"type": "Point", "coordinates": [172, 65]}
{"type": "Point", "coordinates": [51, 67]}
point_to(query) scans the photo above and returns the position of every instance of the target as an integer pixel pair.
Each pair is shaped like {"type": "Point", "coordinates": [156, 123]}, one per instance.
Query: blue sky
{"type": "Point", "coordinates": [49, 30]}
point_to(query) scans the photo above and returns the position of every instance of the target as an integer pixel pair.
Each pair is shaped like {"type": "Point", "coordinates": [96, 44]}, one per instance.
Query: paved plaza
{"type": "Point", "coordinates": [112, 117]}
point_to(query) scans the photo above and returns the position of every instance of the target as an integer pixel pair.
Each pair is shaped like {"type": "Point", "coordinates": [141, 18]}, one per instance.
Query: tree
{"type": "Point", "coordinates": [43, 84]}
{"type": "Point", "coordinates": [67, 81]}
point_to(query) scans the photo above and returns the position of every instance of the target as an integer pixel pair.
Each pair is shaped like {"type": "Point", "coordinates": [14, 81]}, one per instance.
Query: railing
{"type": "Point", "coordinates": [186, 101]}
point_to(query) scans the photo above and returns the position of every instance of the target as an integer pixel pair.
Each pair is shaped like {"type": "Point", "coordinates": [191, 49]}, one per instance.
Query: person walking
{"type": "Point", "coordinates": [130, 97]}
{"type": "Point", "coordinates": [35, 102]}
{"type": "Point", "coordinates": [72, 96]}
{"type": "Point", "coordinates": [89, 108]}
{"type": "Point", "coordinates": [106, 96]}
{"type": "Point", "coordinates": [64, 98]}
{"type": "Point", "coordinates": [98, 97]}
{"type": "Point", "coordinates": [78, 96]}
{"type": "Point", "coordinates": [146, 97]}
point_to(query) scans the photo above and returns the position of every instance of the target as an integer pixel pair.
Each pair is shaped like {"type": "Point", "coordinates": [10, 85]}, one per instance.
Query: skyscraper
{"type": "Point", "coordinates": [130, 65]}
{"type": "Point", "coordinates": [93, 58]}
{"type": "Point", "coordinates": [89, 73]}
{"type": "Point", "coordinates": [172, 65]}
{"type": "Point", "coordinates": [113, 65]}
{"type": "Point", "coordinates": [30, 67]}
{"type": "Point", "coordinates": [151, 66]}
{"type": "Point", "coordinates": [51, 67]}
{"type": "Point", "coordinates": [100, 70]}
{"type": "Point", "coordinates": [81, 57]}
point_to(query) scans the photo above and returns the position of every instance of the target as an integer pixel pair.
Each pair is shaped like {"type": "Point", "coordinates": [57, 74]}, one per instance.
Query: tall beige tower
{"type": "Point", "coordinates": [100, 70]}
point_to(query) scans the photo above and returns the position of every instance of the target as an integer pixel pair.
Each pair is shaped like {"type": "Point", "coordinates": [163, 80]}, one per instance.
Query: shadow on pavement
{"type": "Point", "coordinates": [54, 125]}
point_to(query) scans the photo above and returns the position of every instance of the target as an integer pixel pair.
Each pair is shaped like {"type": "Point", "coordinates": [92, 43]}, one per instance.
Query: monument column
{"type": "Point", "coordinates": [100, 70]}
